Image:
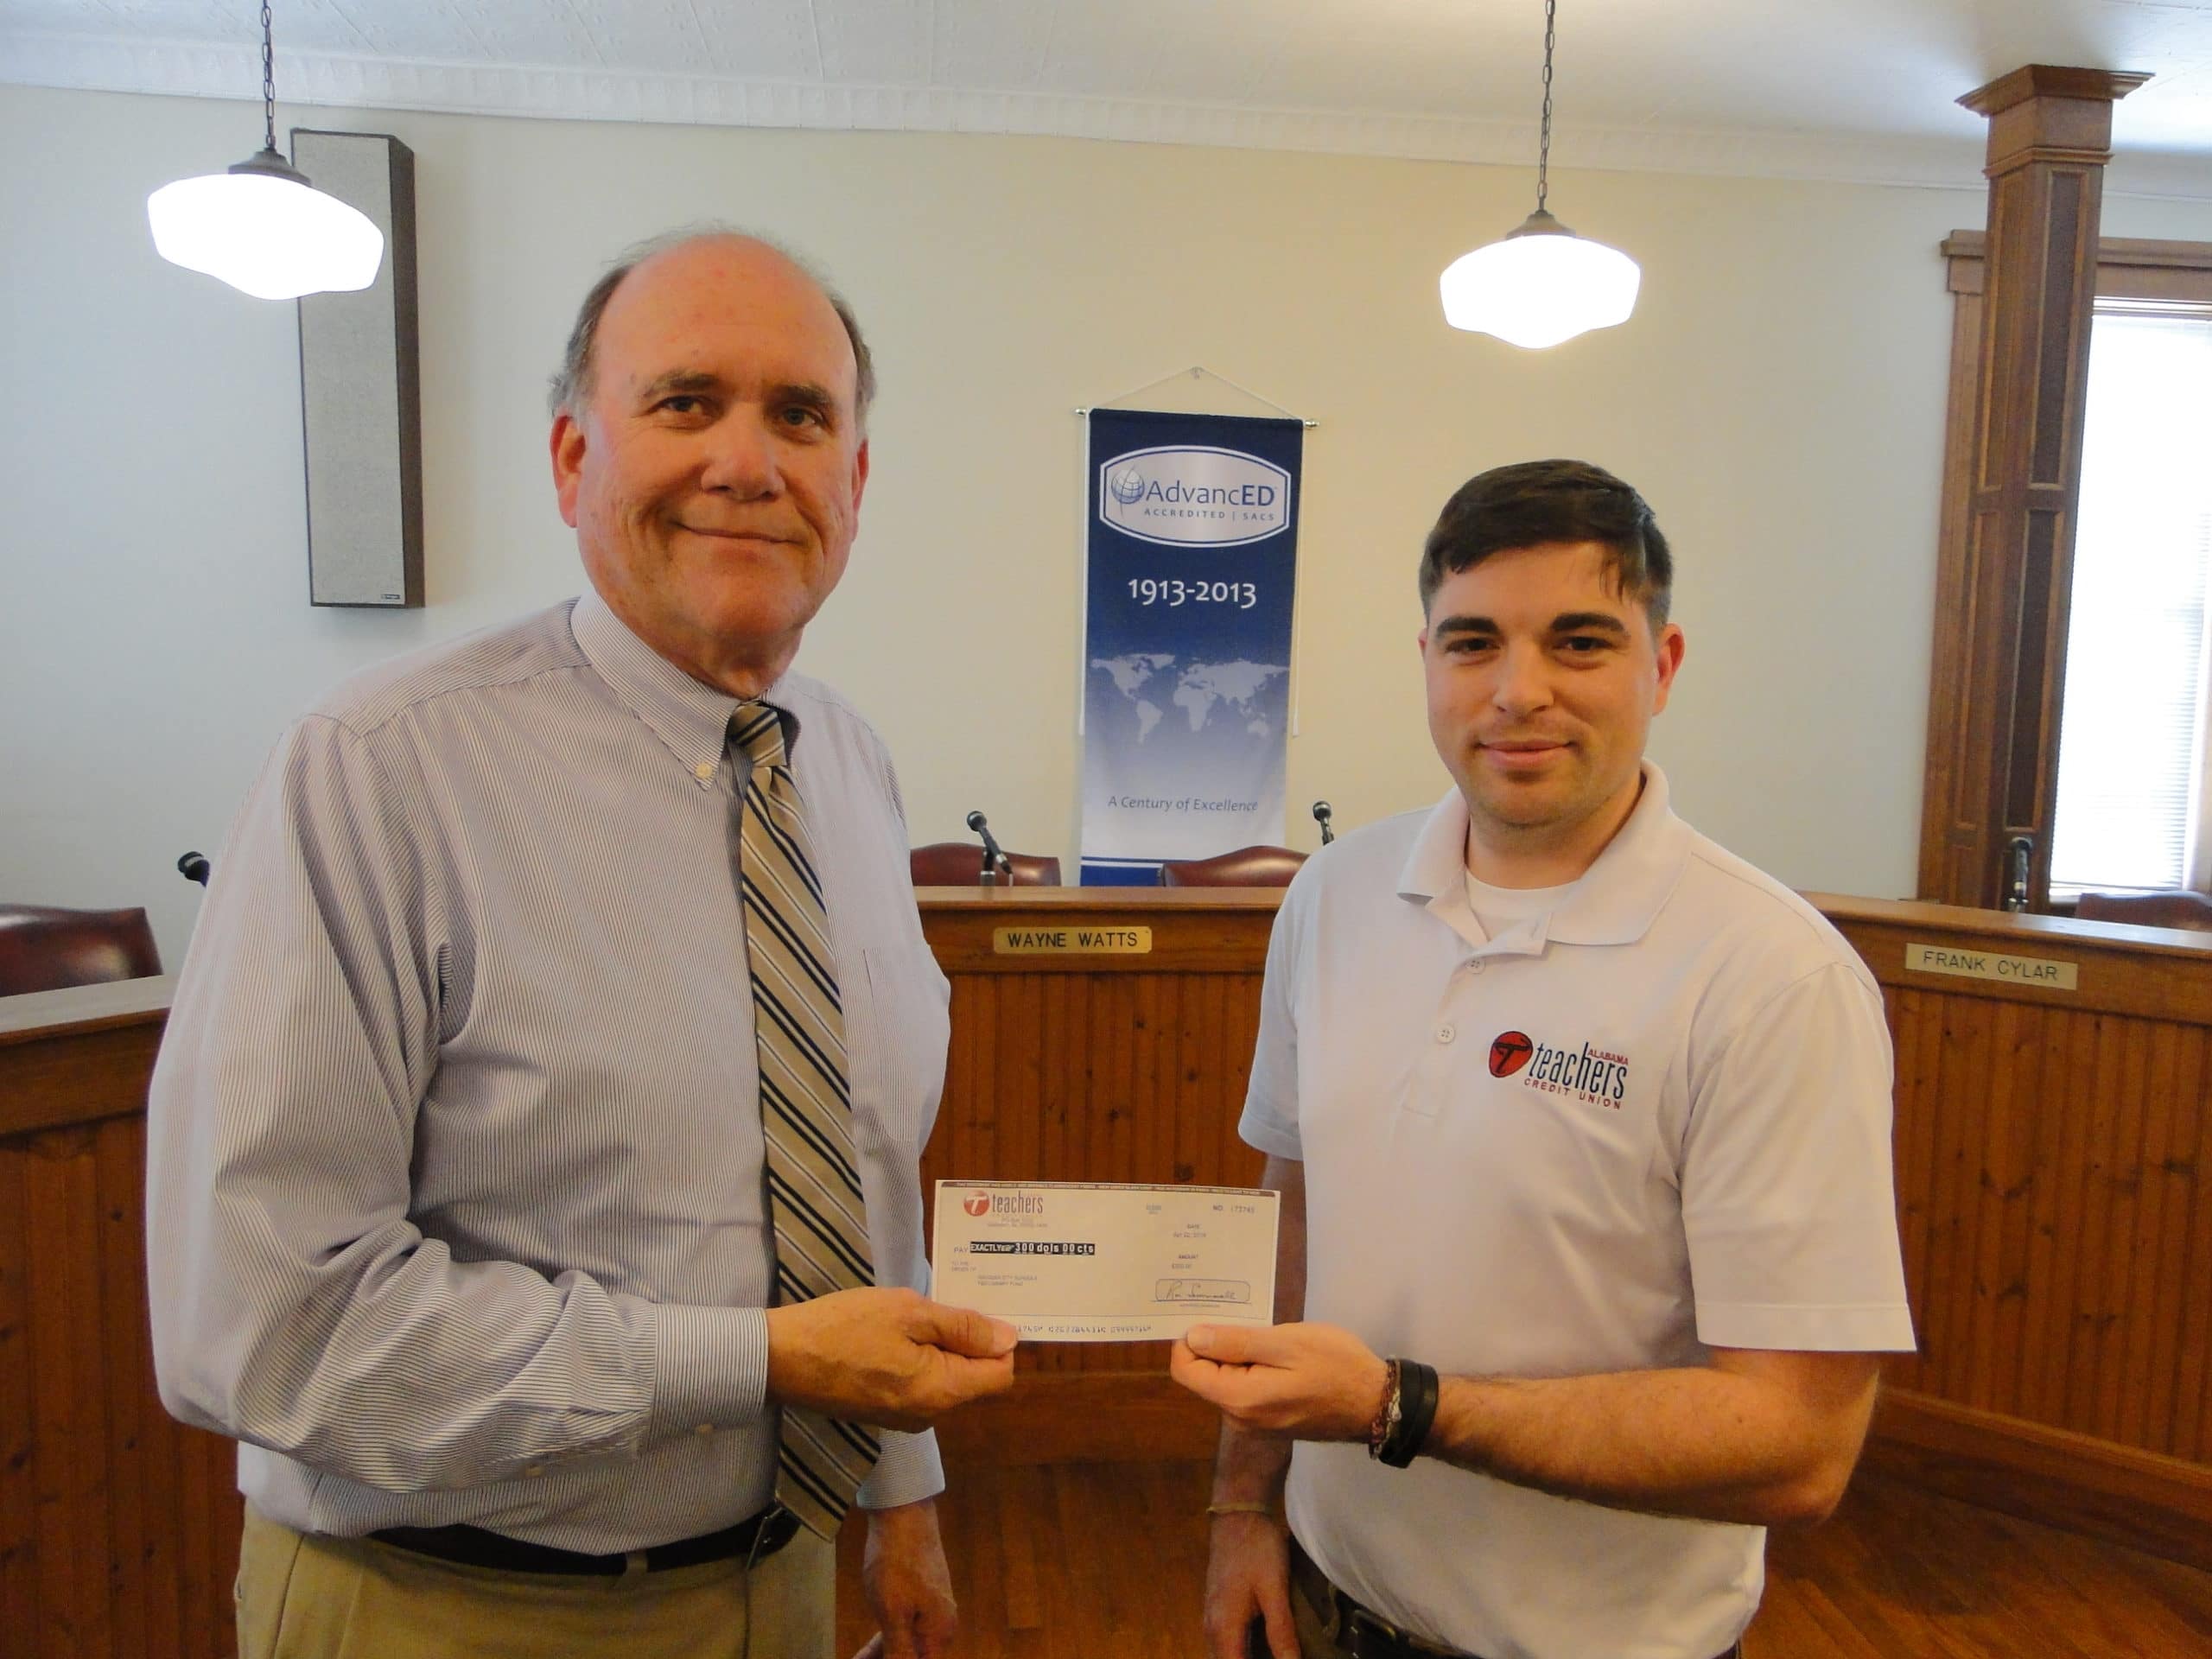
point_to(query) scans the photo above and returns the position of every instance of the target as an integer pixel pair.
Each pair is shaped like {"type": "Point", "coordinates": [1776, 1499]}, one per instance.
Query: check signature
{"type": "Point", "coordinates": [1202, 1290]}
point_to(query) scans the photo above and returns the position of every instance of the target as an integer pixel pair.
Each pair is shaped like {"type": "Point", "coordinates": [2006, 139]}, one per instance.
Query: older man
{"type": "Point", "coordinates": [533, 1163]}
{"type": "Point", "coordinates": [1582, 1129]}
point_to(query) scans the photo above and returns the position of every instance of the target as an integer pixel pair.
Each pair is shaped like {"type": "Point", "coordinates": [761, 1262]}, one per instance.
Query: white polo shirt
{"type": "Point", "coordinates": [1652, 1118]}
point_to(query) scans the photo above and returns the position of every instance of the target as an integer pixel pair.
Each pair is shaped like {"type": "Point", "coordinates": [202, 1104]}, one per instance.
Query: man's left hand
{"type": "Point", "coordinates": [908, 1588]}
{"type": "Point", "coordinates": [1309, 1381]}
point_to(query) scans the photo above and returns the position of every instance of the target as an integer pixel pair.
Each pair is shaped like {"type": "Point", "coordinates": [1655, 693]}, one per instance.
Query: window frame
{"type": "Point", "coordinates": [2175, 274]}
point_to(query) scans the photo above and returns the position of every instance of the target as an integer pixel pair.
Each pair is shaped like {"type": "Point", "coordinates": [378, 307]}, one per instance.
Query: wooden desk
{"type": "Point", "coordinates": [1099, 1065]}
{"type": "Point", "coordinates": [2054, 1168]}
{"type": "Point", "coordinates": [118, 1525]}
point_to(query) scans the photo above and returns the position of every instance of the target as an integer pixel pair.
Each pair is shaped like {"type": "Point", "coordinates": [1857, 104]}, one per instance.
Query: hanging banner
{"type": "Point", "coordinates": [1193, 539]}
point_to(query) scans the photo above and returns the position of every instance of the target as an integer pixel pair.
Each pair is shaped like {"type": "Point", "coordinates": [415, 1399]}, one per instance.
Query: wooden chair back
{"type": "Point", "coordinates": [1247, 867]}
{"type": "Point", "coordinates": [960, 864]}
{"type": "Point", "coordinates": [44, 948]}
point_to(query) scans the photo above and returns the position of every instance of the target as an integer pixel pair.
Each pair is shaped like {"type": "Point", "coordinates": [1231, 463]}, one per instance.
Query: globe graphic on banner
{"type": "Point", "coordinates": [1205, 694]}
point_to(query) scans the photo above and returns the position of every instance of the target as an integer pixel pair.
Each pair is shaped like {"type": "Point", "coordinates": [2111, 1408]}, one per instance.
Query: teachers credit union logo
{"type": "Point", "coordinates": [1193, 496]}
{"type": "Point", "coordinates": [1509, 1052]}
{"type": "Point", "coordinates": [1004, 1204]}
{"type": "Point", "coordinates": [1587, 1073]}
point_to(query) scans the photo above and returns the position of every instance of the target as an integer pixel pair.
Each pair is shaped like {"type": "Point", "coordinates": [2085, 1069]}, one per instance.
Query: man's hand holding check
{"type": "Point", "coordinates": [1311, 1382]}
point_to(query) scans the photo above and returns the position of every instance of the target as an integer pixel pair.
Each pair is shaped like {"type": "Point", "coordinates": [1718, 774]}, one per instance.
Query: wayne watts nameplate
{"type": "Point", "coordinates": [1090, 941]}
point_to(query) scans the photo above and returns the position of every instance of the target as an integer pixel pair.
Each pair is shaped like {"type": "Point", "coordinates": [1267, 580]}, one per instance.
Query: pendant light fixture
{"type": "Point", "coordinates": [1543, 283]}
{"type": "Point", "coordinates": [261, 227]}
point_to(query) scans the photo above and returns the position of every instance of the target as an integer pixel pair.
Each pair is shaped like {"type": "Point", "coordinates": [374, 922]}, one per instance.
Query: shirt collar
{"type": "Point", "coordinates": [1614, 902]}
{"type": "Point", "coordinates": [690, 719]}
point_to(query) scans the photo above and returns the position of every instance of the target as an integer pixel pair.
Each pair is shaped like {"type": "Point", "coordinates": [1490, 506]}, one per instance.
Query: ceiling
{"type": "Point", "coordinates": [1859, 89]}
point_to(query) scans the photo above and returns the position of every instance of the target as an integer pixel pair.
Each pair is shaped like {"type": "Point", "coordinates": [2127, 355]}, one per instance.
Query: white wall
{"type": "Point", "coordinates": [1778, 395]}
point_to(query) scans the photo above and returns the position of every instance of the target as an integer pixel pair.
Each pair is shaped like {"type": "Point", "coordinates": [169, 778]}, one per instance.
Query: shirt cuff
{"type": "Point", "coordinates": [908, 1472]}
{"type": "Point", "coordinates": [1264, 1132]}
{"type": "Point", "coordinates": [710, 1368]}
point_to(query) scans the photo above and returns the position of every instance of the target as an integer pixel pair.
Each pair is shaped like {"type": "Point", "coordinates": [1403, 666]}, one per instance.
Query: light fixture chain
{"type": "Point", "coordinates": [1544, 141]}
{"type": "Point", "coordinates": [268, 77]}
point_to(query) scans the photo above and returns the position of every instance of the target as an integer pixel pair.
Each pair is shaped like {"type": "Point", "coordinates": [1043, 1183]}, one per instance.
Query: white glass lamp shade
{"type": "Point", "coordinates": [1539, 286]}
{"type": "Point", "coordinates": [273, 238]}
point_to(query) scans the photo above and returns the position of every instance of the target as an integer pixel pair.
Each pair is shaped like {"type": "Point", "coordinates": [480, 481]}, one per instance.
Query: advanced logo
{"type": "Point", "coordinates": [1190, 495]}
{"type": "Point", "coordinates": [1595, 1075]}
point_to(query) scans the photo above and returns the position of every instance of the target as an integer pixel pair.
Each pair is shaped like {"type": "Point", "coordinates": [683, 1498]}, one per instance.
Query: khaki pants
{"type": "Point", "coordinates": [310, 1597]}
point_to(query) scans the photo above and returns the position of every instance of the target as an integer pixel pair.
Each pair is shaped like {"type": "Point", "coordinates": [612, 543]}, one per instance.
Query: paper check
{"type": "Point", "coordinates": [1082, 1261]}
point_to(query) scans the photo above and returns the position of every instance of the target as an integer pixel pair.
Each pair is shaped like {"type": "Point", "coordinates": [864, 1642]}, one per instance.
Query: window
{"type": "Point", "coordinates": [2132, 756]}
{"type": "Point", "coordinates": [2104, 776]}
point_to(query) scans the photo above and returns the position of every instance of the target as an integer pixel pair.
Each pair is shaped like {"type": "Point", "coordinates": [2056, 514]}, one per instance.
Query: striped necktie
{"type": "Point", "coordinates": [813, 1175]}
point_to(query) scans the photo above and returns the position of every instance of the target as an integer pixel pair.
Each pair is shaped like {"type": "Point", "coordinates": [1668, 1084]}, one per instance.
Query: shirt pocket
{"type": "Point", "coordinates": [901, 1028]}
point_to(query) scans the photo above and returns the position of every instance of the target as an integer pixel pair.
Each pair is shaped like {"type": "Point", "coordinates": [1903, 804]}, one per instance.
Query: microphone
{"type": "Point", "coordinates": [1321, 817]}
{"type": "Point", "coordinates": [993, 858]}
{"type": "Point", "coordinates": [194, 866]}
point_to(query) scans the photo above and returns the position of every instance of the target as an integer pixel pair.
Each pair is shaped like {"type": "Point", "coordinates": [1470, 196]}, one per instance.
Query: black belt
{"type": "Point", "coordinates": [758, 1538]}
{"type": "Point", "coordinates": [1363, 1635]}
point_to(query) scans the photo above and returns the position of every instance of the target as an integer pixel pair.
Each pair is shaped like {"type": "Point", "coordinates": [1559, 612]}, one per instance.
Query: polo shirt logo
{"type": "Point", "coordinates": [1596, 1075]}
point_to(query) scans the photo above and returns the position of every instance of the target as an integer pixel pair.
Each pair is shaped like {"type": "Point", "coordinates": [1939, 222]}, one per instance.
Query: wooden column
{"type": "Point", "coordinates": [2001, 648]}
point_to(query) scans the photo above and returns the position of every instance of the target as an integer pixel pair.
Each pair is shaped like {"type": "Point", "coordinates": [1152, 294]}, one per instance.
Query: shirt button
{"type": "Point", "coordinates": [533, 1471]}
{"type": "Point", "coordinates": [704, 1429]}
{"type": "Point", "coordinates": [1443, 1034]}
{"type": "Point", "coordinates": [1476, 966]}
{"type": "Point", "coordinates": [703, 770]}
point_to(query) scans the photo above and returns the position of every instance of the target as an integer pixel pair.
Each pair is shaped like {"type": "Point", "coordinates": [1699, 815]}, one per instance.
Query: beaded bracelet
{"type": "Point", "coordinates": [1387, 1414]}
{"type": "Point", "coordinates": [1414, 1416]}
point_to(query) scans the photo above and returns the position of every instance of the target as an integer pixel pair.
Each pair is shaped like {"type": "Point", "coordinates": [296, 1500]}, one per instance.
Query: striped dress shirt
{"type": "Point", "coordinates": [454, 1160]}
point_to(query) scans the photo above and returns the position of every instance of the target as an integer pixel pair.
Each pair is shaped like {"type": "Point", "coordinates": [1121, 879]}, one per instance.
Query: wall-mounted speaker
{"type": "Point", "coordinates": [360, 388]}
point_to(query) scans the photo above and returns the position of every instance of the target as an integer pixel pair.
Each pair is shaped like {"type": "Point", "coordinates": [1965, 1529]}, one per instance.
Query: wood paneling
{"type": "Point", "coordinates": [1221, 930]}
{"type": "Point", "coordinates": [1098, 1068]}
{"type": "Point", "coordinates": [2155, 973]}
{"type": "Point", "coordinates": [2053, 1167]}
{"type": "Point", "coordinates": [74, 1056]}
{"type": "Point", "coordinates": [2085, 1481]}
{"type": "Point", "coordinates": [2049, 1145]}
{"type": "Point", "coordinates": [118, 1525]}
{"type": "Point", "coordinates": [2050, 1149]}
{"type": "Point", "coordinates": [1078, 1416]}
{"type": "Point", "coordinates": [2054, 1170]}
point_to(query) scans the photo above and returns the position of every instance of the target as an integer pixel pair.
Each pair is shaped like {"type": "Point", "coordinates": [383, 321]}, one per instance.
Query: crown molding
{"type": "Point", "coordinates": [186, 69]}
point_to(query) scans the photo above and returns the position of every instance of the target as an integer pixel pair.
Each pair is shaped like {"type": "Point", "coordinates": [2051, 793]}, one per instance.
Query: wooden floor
{"type": "Point", "coordinates": [1086, 1560]}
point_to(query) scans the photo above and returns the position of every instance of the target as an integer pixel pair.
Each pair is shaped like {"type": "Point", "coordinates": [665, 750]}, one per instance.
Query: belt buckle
{"type": "Point", "coordinates": [1365, 1636]}
{"type": "Point", "coordinates": [778, 1526]}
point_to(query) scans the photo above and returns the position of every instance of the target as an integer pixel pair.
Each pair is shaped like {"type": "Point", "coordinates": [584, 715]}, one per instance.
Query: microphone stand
{"type": "Point", "coordinates": [997, 864]}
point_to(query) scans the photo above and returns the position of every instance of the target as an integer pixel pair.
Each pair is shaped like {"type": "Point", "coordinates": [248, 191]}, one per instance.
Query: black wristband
{"type": "Point", "coordinates": [1418, 1388]}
